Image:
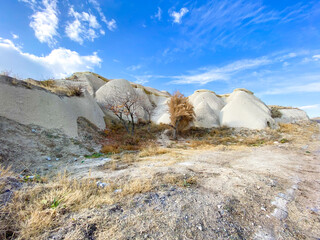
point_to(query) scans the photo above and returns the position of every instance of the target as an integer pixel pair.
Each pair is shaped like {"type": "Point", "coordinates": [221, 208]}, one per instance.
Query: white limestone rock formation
{"type": "Point", "coordinates": [33, 105]}
{"type": "Point", "coordinates": [292, 115]}
{"type": "Point", "coordinates": [245, 110]}
{"type": "Point", "coordinates": [207, 106]}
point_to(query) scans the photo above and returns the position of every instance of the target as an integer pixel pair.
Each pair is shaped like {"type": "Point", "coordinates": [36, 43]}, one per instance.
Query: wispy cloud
{"type": "Point", "coordinates": [314, 106]}
{"type": "Point", "coordinates": [177, 16]}
{"type": "Point", "coordinates": [111, 25]}
{"type": "Point", "coordinates": [44, 20]}
{"type": "Point", "coordinates": [83, 27]}
{"type": "Point", "coordinates": [59, 63]}
{"type": "Point", "coordinates": [158, 15]}
{"type": "Point", "coordinates": [14, 36]}
{"type": "Point", "coordinates": [210, 74]}
{"type": "Point", "coordinates": [229, 22]}
{"type": "Point", "coordinates": [313, 87]}
{"type": "Point", "coordinates": [134, 67]}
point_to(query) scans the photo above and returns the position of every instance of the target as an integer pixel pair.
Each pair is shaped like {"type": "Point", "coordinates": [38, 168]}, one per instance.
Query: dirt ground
{"type": "Point", "coordinates": [237, 192]}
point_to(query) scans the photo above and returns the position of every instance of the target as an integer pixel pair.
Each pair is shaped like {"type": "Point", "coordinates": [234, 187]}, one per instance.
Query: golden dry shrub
{"type": "Point", "coordinates": [181, 112]}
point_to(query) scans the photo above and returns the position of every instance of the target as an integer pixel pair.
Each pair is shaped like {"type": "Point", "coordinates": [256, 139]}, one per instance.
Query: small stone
{"type": "Point", "coordinates": [305, 147]}
{"type": "Point", "coordinates": [102, 184]}
{"type": "Point", "coordinates": [75, 159]}
{"type": "Point", "coordinates": [57, 159]}
{"type": "Point", "coordinates": [219, 206]}
{"type": "Point", "coordinates": [30, 177]}
{"type": "Point", "coordinates": [48, 158]}
{"type": "Point", "coordinates": [200, 227]}
{"type": "Point", "coordinates": [263, 209]}
{"type": "Point", "coordinates": [33, 130]}
{"type": "Point", "coordinates": [258, 187]}
{"type": "Point", "coordinates": [118, 190]}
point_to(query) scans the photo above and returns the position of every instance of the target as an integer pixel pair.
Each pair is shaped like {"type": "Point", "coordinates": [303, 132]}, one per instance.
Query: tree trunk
{"type": "Point", "coordinates": [175, 131]}
{"type": "Point", "coordinates": [132, 124]}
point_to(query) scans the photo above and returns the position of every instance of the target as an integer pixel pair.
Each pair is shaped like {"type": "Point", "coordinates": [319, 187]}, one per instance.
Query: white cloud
{"type": "Point", "coordinates": [206, 75]}
{"type": "Point", "coordinates": [45, 21]}
{"type": "Point", "coordinates": [58, 63]}
{"type": "Point", "coordinates": [111, 25]}
{"type": "Point", "coordinates": [313, 87]}
{"type": "Point", "coordinates": [316, 57]}
{"type": "Point", "coordinates": [14, 36]}
{"type": "Point", "coordinates": [158, 15]}
{"type": "Point", "coordinates": [177, 16]}
{"type": "Point", "coordinates": [83, 27]}
{"type": "Point", "coordinates": [134, 67]}
{"type": "Point", "coordinates": [314, 106]}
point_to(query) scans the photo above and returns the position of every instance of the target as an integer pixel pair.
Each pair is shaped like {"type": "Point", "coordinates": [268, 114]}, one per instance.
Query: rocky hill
{"type": "Point", "coordinates": [49, 104]}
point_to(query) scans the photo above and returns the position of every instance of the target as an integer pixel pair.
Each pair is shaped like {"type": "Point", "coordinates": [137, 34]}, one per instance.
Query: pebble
{"type": "Point", "coordinates": [118, 190]}
{"type": "Point", "coordinates": [102, 184]}
{"type": "Point", "coordinates": [33, 130]}
{"type": "Point", "coordinates": [48, 158]}
{"type": "Point", "coordinates": [200, 227]}
{"type": "Point", "coordinates": [75, 159]}
{"type": "Point", "coordinates": [57, 159]}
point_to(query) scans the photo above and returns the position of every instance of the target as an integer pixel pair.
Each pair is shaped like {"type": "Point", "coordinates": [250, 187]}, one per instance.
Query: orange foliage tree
{"type": "Point", "coordinates": [181, 112]}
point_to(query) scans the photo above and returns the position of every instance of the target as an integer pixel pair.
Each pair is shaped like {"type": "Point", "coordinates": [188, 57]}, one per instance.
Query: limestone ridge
{"type": "Point", "coordinates": [26, 103]}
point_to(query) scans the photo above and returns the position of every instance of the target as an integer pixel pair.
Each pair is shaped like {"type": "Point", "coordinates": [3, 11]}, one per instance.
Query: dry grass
{"type": "Point", "coordinates": [153, 150]}
{"type": "Point", "coordinates": [299, 132]}
{"type": "Point", "coordinates": [204, 138]}
{"type": "Point", "coordinates": [5, 171]}
{"type": "Point", "coordinates": [51, 85]}
{"type": "Point", "coordinates": [74, 90]}
{"type": "Point", "coordinates": [38, 208]}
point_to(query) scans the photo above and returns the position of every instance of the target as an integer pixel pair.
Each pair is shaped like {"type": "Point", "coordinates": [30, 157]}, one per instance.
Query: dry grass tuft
{"type": "Point", "coordinates": [153, 150]}
{"type": "Point", "coordinates": [75, 90]}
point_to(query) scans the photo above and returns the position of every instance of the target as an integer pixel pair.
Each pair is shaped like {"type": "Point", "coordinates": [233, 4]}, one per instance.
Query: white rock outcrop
{"type": "Point", "coordinates": [46, 109]}
{"type": "Point", "coordinates": [207, 107]}
{"type": "Point", "coordinates": [245, 110]}
{"type": "Point", "coordinates": [292, 115]}
{"type": "Point", "coordinates": [87, 80]}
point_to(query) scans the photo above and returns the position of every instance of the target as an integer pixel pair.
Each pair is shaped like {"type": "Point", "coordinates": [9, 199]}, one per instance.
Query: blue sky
{"type": "Point", "coordinates": [269, 47]}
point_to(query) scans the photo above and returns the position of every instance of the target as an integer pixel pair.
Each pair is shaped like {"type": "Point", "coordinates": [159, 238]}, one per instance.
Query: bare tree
{"type": "Point", "coordinates": [181, 112]}
{"type": "Point", "coordinates": [148, 109]}
{"type": "Point", "coordinates": [125, 106]}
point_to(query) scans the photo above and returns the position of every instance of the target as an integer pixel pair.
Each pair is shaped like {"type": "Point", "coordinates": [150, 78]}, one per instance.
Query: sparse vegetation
{"type": "Point", "coordinates": [275, 112]}
{"type": "Point", "coordinates": [75, 90]}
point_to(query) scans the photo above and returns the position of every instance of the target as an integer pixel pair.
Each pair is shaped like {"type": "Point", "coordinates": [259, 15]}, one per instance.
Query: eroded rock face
{"type": "Point", "coordinates": [46, 109]}
{"type": "Point", "coordinates": [207, 106]}
{"type": "Point", "coordinates": [243, 109]}
{"type": "Point", "coordinates": [292, 115]}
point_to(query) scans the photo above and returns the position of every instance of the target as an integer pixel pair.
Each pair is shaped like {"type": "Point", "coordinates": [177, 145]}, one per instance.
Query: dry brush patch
{"type": "Point", "coordinates": [40, 208]}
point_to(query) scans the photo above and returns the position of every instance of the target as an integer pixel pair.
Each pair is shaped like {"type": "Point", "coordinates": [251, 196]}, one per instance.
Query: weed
{"type": "Point", "coordinates": [284, 140]}
{"type": "Point", "coordinates": [94, 155]}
